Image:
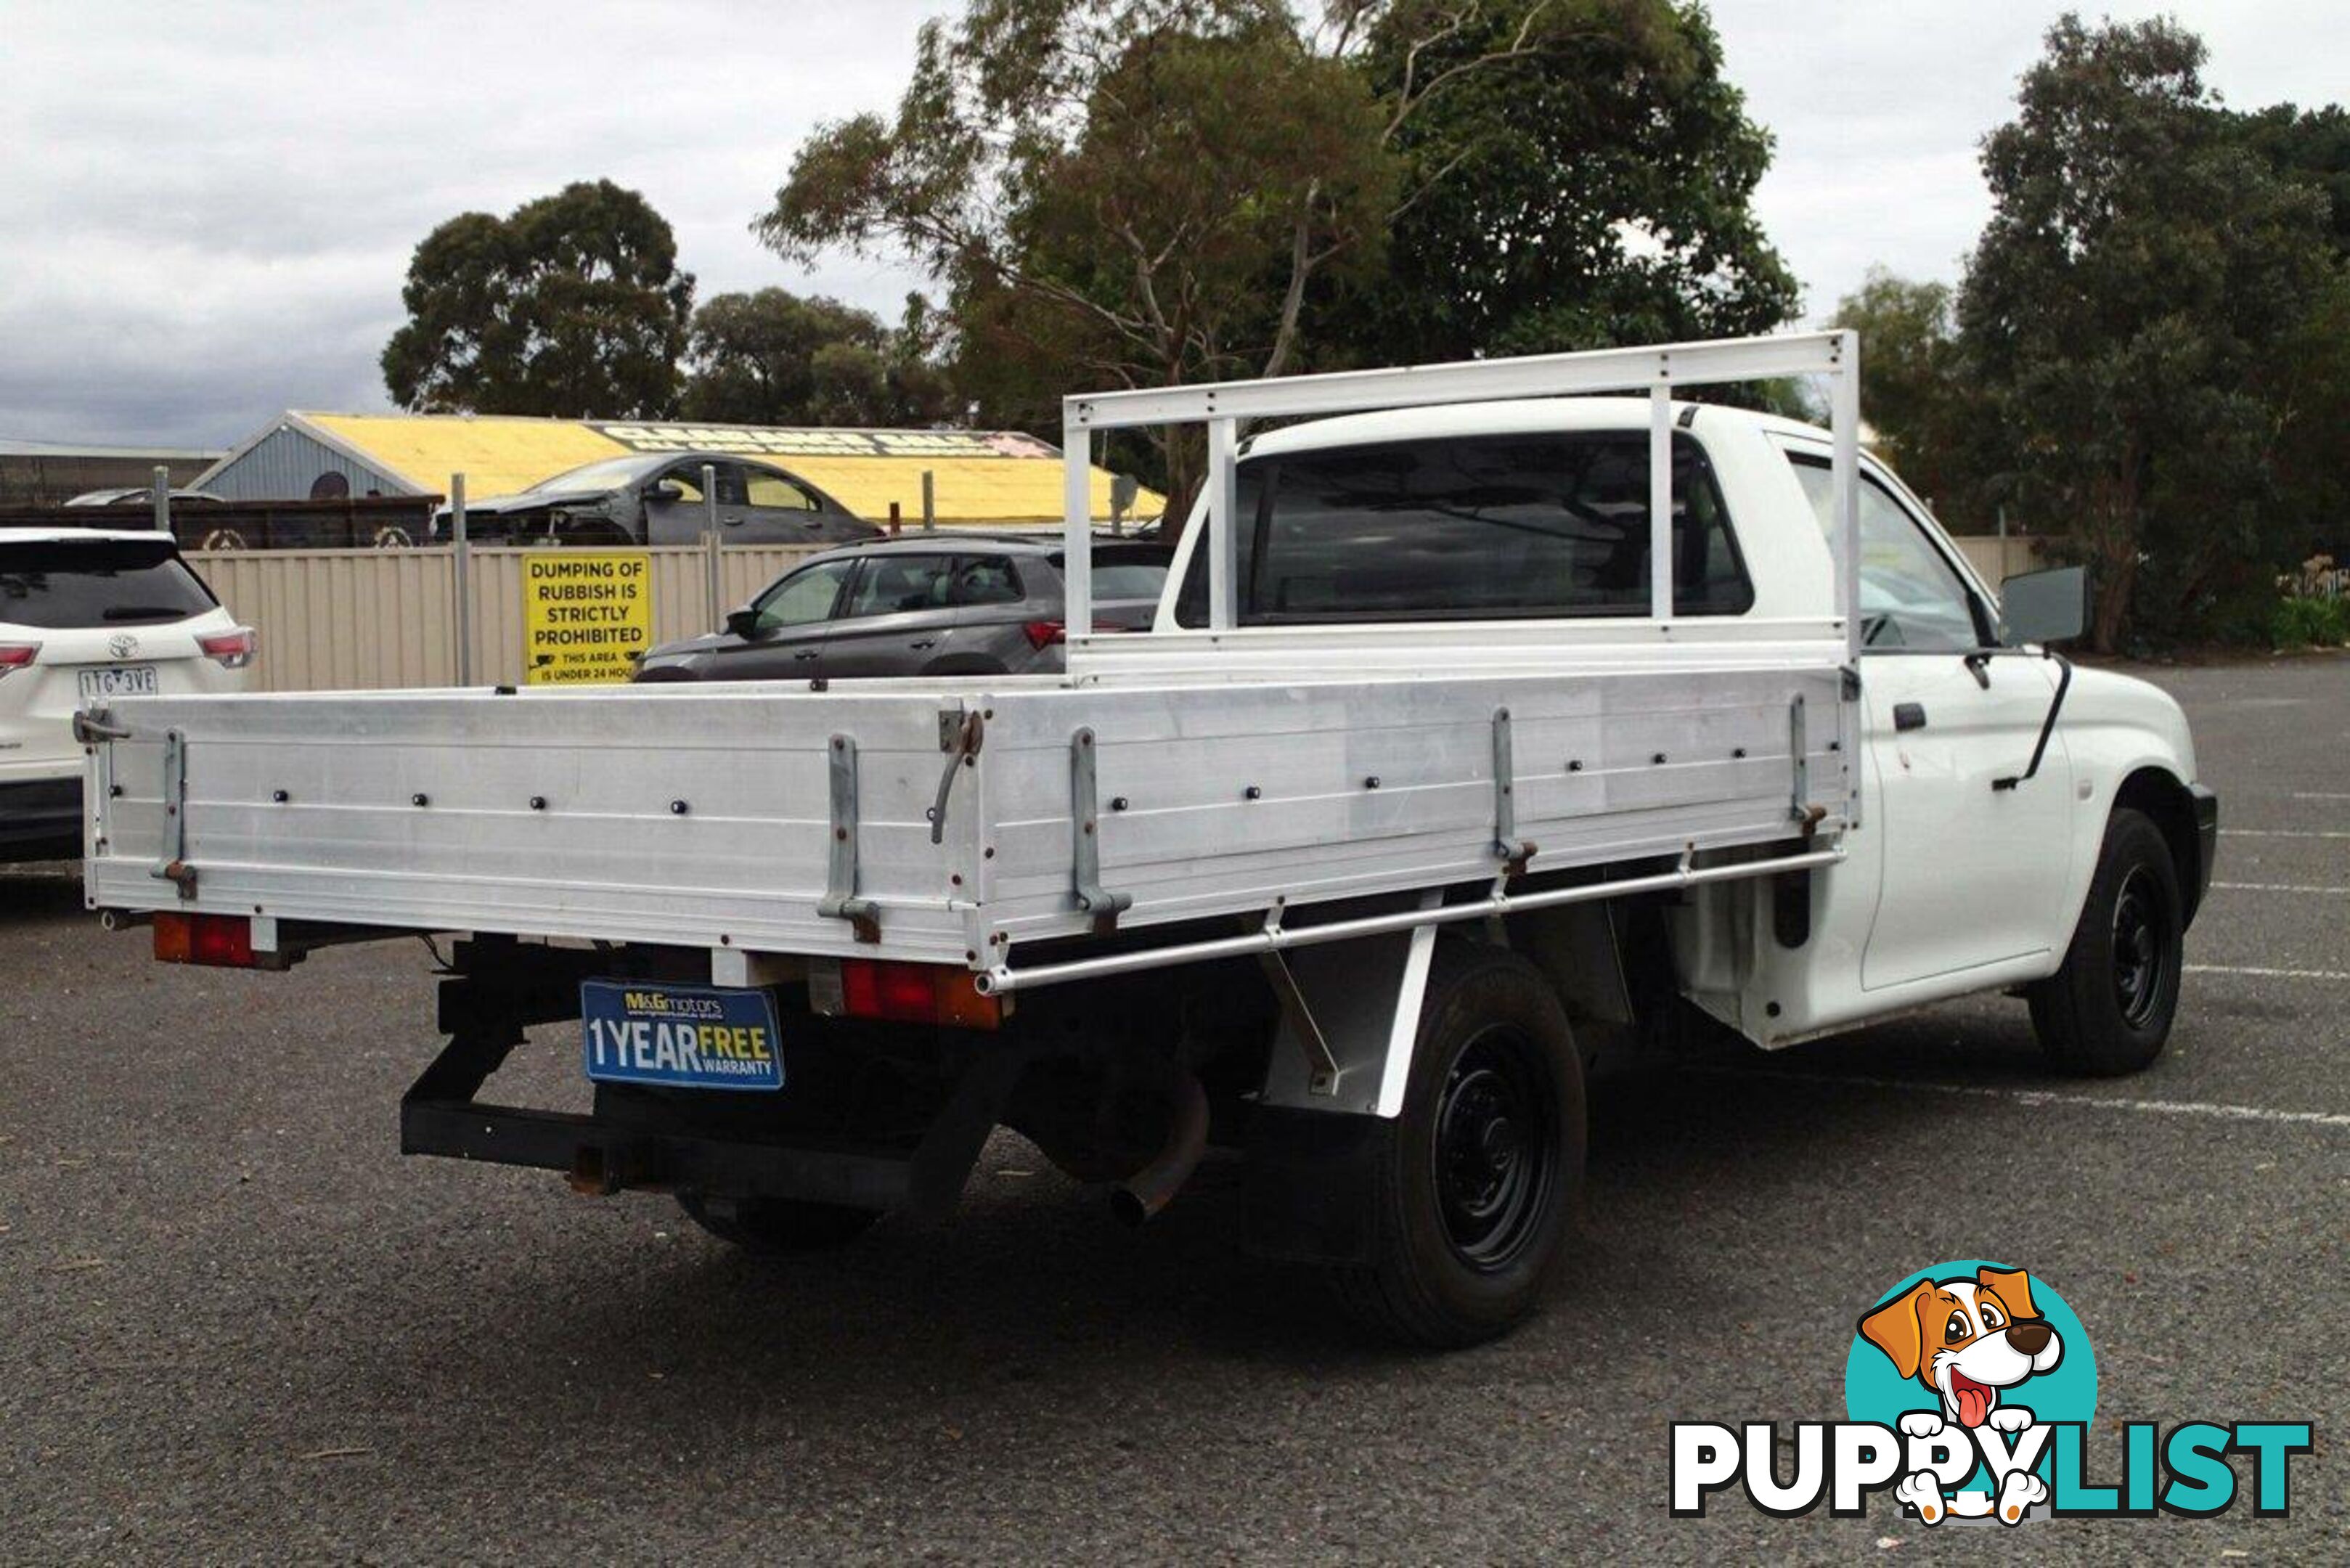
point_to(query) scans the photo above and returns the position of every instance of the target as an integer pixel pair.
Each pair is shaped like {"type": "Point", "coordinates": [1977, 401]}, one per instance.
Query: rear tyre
{"type": "Point", "coordinates": [2108, 1011]}
{"type": "Point", "coordinates": [777, 1226]}
{"type": "Point", "coordinates": [1474, 1194]}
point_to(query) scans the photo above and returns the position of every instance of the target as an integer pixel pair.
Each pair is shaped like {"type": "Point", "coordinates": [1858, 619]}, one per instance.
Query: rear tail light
{"type": "Point", "coordinates": [916, 993]}
{"type": "Point", "coordinates": [222, 940]}
{"type": "Point", "coordinates": [1043, 634]}
{"type": "Point", "coordinates": [233, 649]}
{"type": "Point", "coordinates": [16, 656]}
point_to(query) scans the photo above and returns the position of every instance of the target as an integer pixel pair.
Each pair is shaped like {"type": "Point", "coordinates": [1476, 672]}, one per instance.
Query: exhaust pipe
{"type": "Point", "coordinates": [1148, 1191]}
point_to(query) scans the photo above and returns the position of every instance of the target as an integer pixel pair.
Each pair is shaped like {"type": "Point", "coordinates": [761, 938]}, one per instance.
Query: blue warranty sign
{"type": "Point", "coordinates": [681, 1036]}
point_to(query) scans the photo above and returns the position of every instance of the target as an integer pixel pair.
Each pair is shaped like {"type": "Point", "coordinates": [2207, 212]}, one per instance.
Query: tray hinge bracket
{"type": "Point", "coordinates": [1321, 1062]}
{"type": "Point", "coordinates": [1085, 836]}
{"type": "Point", "coordinates": [170, 864]}
{"type": "Point", "coordinates": [840, 901]}
{"type": "Point", "coordinates": [1513, 851]}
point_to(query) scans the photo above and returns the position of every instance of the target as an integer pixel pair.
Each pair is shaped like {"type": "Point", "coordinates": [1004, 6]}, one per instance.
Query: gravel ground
{"type": "Point", "coordinates": [239, 1326]}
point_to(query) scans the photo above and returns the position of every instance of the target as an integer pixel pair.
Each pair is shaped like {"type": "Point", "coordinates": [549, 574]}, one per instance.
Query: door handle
{"type": "Point", "coordinates": [1908, 715]}
{"type": "Point", "coordinates": [926, 642]}
{"type": "Point", "coordinates": [732, 522]}
{"type": "Point", "coordinates": [806, 653]}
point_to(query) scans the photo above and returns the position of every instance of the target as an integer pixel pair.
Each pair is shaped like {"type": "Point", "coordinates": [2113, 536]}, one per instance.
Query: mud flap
{"type": "Point", "coordinates": [1308, 1197]}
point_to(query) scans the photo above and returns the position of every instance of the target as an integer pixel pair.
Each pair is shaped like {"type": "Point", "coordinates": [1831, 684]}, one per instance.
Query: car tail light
{"type": "Point", "coordinates": [1043, 634]}
{"type": "Point", "coordinates": [235, 650]}
{"type": "Point", "coordinates": [16, 656]}
{"type": "Point", "coordinates": [916, 993]}
{"type": "Point", "coordinates": [224, 941]}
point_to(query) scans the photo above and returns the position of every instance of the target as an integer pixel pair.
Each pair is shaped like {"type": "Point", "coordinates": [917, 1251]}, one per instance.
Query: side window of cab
{"type": "Point", "coordinates": [1911, 600]}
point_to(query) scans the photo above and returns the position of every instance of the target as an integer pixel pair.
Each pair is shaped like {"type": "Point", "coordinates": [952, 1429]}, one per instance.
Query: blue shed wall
{"type": "Point", "coordinates": [285, 463]}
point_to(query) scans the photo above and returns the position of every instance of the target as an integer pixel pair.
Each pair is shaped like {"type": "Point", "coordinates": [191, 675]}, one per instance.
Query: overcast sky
{"type": "Point", "coordinates": [207, 208]}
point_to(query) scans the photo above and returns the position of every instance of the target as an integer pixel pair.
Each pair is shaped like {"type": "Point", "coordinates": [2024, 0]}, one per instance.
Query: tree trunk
{"type": "Point", "coordinates": [2120, 570]}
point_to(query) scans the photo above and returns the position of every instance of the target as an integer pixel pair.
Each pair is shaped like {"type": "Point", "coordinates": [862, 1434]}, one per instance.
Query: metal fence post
{"type": "Point", "coordinates": [461, 565]}
{"type": "Point", "coordinates": [930, 505]}
{"type": "Point", "coordinates": [710, 547]}
{"type": "Point", "coordinates": [161, 496]}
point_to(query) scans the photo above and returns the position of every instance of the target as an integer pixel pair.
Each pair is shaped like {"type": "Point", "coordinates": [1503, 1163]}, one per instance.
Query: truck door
{"type": "Point", "coordinates": [1970, 874]}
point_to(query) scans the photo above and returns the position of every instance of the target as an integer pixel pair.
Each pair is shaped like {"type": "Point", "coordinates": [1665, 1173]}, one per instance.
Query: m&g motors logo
{"type": "Point", "coordinates": [1970, 1388]}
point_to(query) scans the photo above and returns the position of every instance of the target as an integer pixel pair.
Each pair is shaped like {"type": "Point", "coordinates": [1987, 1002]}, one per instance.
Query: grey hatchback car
{"type": "Point", "coordinates": [960, 603]}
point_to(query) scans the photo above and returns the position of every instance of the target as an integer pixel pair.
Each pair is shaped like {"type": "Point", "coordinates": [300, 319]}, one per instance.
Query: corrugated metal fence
{"type": "Point", "coordinates": [357, 619]}
{"type": "Point", "coordinates": [360, 619]}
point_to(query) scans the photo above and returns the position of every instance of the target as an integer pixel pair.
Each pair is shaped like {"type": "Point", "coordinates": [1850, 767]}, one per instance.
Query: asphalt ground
{"type": "Point", "coordinates": [234, 1325]}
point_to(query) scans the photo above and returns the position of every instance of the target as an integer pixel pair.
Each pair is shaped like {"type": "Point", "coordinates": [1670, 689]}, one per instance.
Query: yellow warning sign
{"type": "Point", "coordinates": [586, 615]}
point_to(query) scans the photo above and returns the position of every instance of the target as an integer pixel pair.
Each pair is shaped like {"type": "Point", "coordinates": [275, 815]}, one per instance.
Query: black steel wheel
{"type": "Point", "coordinates": [2108, 1009]}
{"type": "Point", "coordinates": [1496, 1153]}
{"type": "Point", "coordinates": [2144, 948]}
{"type": "Point", "coordinates": [1476, 1185]}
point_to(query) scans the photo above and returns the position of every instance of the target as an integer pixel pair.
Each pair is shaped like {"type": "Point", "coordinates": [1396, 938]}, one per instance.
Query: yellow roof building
{"type": "Point", "coordinates": [978, 477]}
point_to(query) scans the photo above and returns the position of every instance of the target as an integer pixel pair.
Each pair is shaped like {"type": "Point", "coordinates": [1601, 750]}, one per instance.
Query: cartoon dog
{"type": "Point", "coordinates": [1967, 1340]}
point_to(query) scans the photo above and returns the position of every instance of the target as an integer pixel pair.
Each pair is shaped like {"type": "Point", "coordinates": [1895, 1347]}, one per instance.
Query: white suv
{"type": "Point", "coordinates": [85, 615]}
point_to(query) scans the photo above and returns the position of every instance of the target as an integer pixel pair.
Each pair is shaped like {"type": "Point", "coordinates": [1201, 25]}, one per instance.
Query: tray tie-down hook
{"type": "Point", "coordinates": [959, 736]}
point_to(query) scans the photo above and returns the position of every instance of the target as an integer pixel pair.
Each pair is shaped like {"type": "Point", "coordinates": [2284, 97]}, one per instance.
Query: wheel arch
{"type": "Point", "coordinates": [2159, 794]}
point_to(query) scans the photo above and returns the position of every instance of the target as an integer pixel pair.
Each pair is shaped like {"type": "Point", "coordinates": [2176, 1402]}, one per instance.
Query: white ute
{"type": "Point", "coordinates": [1485, 733]}
{"type": "Point", "coordinates": [89, 615]}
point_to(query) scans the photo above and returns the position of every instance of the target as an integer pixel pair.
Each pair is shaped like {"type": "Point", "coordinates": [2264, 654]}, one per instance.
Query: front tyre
{"type": "Point", "coordinates": [1474, 1195]}
{"type": "Point", "coordinates": [2108, 1011]}
{"type": "Point", "coordinates": [777, 1226]}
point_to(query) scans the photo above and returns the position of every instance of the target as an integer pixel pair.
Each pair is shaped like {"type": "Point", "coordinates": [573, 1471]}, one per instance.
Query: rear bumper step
{"type": "Point", "coordinates": [603, 1159]}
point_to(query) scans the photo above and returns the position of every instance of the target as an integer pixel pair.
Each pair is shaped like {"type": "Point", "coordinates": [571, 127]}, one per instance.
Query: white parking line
{"type": "Point", "coordinates": [2279, 833]}
{"type": "Point", "coordinates": [2268, 973]}
{"type": "Point", "coordinates": [2278, 887]}
{"type": "Point", "coordinates": [2052, 1097]}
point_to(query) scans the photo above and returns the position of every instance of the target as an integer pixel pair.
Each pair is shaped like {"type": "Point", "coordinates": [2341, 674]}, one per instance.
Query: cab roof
{"type": "Point", "coordinates": [1514, 417]}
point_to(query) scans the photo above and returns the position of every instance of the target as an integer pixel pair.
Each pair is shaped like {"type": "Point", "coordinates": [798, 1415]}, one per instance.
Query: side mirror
{"type": "Point", "coordinates": [743, 623]}
{"type": "Point", "coordinates": [668, 492]}
{"type": "Point", "coordinates": [2051, 606]}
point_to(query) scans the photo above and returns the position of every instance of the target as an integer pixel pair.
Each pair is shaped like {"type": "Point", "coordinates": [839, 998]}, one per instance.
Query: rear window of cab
{"type": "Point", "coordinates": [59, 584]}
{"type": "Point", "coordinates": [1537, 525]}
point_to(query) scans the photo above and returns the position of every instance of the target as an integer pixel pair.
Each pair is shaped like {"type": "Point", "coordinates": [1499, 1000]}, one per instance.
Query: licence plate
{"type": "Point", "coordinates": [679, 1036]}
{"type": "Point", "coordinates": [128, 680]}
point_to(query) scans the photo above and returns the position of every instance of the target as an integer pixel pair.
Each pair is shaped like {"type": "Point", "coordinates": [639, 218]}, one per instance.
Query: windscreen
{"type": "Point", "coordinates": [97, 582]}
{"type": "Point", "coordinates": [609, 474]}
{"type": "Point", "coordinates": [1539, 525]}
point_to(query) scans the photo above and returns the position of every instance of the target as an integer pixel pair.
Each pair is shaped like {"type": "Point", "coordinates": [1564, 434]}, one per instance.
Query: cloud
{"type": "Point", "coordinates": [210, 207]}
{"type": "Point", "coordinates": [1878, 111]}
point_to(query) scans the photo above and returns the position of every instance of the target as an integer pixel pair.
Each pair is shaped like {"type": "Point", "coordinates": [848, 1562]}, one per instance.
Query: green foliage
{"type": "Point", "coordinates": [2142, 276]}
{"type": "Point", "coordinates": [572, 305]}
{"type": "Point", "coordinates": [1594, 190]}
{"type": "Point", "coordinates": [1154, 191]}
{"type": "Point", "coordinates": [1923, 415]}
{"type": "Point", "coordinates": [2310, 623]}
{"type": "Point", "coordinates": [2314, 148]}
{"type": "Point", "coordinates": [772, 358]}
